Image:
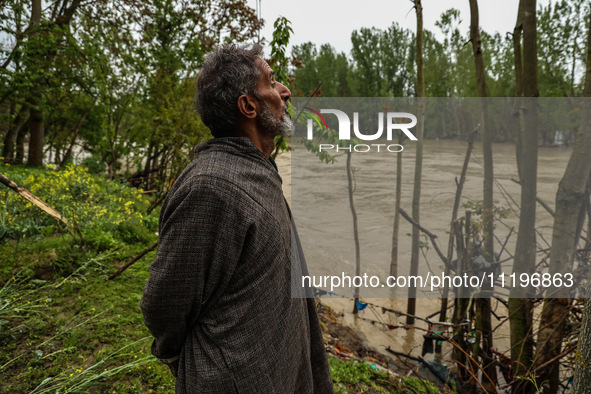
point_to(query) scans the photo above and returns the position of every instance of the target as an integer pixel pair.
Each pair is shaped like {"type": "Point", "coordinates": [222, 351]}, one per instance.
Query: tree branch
{"type": "Point", "coordinates": [27, 195]}
{"type": "Point", "coordinates": [431, 236]}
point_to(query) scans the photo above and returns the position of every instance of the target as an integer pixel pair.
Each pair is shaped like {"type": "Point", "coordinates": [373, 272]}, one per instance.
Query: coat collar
{"type": "Point", "coordinates": [236, 145]}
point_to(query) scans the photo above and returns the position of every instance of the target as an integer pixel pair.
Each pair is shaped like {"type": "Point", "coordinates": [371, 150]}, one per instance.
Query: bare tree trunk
{"type": "Point", "coordinates": [395, 230]}
{"type": "Point", "coordinates": [355, 229]}
{"type": "Point", "coordinates": [461, 302]}
{"type": "Point", "coordinates": [36, 121]}
{"type": "Point", "coordinates": [19, 149]}
{"type": "Point", "coordinates": [36, 133]}
{"type": "Point", "coordinates": [416, 195]}
{"type": "Point", "coordinates": [583, 371]}
{"type": "Point", "coordinates": [454, 217]}
{"type": "Point", "coordinates": [517, 55]}
{"type": "Point", "coordinates": [8, 151]}
{"type": "Point", "coordinates": [583, 368]}
{"type": "Point", "coordinates": [520, 303]}
{"type": "Point", "coordinates": [483, 321]}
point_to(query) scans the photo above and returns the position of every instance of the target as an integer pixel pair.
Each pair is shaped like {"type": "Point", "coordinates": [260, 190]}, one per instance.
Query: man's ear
{"type": "Point", "coordinates": [247, 106]}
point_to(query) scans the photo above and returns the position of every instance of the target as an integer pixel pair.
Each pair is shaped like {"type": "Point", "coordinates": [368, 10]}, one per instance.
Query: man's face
{"type": "Point", "coordinates": [274, 119]}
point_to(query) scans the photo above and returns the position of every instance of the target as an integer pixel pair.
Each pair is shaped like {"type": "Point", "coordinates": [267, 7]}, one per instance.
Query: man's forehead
{"type": "Point", "coordinates": [264, 66]}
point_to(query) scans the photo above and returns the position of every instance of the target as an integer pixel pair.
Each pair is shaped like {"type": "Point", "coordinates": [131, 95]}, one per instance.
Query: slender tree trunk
{"type": "Point", "coordinates": [454, 217]}
{"type": "Point", "coordinates": [8, 151]}
{"type": "Point", "coordinates": [583, 366]}
{"type": "Point", "coordinates": [583, 371]}
{"type": "Point", "coordinates": [19, 154]}
{"type": "Point", "coordinates": [483, 321]}
{"type": "Point", "coordinates": [416, 195]}
{"type": "Point", "coordinates": [520, 303]}
{"type": "Point", "coordinates": [461, 302]}
{"type": "Point", "coordinates": [36, 134]}
{"type": "Point", "coordinates": [518, 59]}
{"type": "Point", "coordinates": [395, 231]}
{"type": "Point", "coordinates": [355, 229]}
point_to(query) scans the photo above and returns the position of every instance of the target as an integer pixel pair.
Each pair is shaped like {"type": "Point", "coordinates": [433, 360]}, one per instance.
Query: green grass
{"type": "Point", "coordinates": [63, 328]}
{"type": "Point", "coordinates": [78, 331]}
{"type": "Point", "coordinates": [362, 377]}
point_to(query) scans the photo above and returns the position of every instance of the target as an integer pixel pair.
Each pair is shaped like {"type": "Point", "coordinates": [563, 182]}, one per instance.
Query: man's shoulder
{"type": "Point", "coordinates": [232, 165]}
{"type": "Point", "coordinates": [227, 157]}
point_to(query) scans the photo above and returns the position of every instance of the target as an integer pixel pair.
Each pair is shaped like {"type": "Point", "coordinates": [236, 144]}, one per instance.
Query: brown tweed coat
{"type": "Point", "coordinates": [218, 300]}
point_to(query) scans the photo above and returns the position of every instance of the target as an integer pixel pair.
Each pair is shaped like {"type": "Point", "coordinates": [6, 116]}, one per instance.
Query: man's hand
{"type": "Point", "coordinates": [174, 367]}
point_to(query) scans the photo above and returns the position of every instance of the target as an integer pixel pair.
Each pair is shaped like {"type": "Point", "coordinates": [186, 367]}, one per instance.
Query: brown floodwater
{"type": "Point", "coordinates": [319, 196]}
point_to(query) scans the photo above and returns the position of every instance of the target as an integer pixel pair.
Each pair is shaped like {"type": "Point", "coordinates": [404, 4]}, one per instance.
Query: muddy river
{"type": "Point", "coordinates": [318, 193]}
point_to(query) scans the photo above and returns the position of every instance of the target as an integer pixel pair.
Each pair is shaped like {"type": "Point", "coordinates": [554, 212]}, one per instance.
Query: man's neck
{"type": "Point", "coordinates": [265, 144]}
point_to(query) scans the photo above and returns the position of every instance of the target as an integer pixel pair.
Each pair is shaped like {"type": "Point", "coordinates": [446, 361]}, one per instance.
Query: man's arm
{"type": "Point", "coordinates": [201, 237]}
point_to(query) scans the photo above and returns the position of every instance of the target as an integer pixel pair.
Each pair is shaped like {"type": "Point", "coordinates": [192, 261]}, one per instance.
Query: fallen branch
{"type": "Point", "coordinates": [428, 233]}
{"type": "Point", "coordinates": [27, 195]}
{"type": "Point", "coordinates": [134, 260]}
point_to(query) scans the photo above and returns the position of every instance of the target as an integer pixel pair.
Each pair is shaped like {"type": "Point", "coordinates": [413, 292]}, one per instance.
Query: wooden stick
{"type": "Point", "coordinates": [27, 195]}
{"type": "Point", "coordinates": [427, 232]}
{"type": "Point", "coordinates": [132, 261]}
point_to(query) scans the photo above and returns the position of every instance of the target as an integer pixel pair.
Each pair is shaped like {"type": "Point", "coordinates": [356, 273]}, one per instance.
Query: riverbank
{"type": "Point", "coordinates": [395, 374]}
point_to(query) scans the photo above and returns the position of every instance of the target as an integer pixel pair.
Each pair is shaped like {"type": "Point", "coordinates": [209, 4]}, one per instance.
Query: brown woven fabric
{"type": "Point", "coordinates": [219, 295]}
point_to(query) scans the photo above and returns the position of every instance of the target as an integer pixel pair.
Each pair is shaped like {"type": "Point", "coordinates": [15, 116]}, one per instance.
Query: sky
{"type": "Point", "coordinates": [332, 21]}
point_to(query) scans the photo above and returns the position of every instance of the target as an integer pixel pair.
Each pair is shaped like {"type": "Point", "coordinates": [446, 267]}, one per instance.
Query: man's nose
{"type": "Point", "coordinates": [284, 92]}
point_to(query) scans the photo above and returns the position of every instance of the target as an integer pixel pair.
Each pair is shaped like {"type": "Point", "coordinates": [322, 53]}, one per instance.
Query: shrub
{"type": "Point", "coordinates": [94, 165]}
{"type": "Point", "coordinates": [107, 212]}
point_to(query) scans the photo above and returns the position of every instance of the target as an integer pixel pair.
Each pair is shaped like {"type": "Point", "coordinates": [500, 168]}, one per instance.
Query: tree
{"type": "Point", "coordinates": [333, 71]}
{"type": "Point", "coordinates": [37, 47]}
{"type": "Point", "coordinates": [324, 65]}
{"type": "Point", "coordinates": [396, 50]}
{"type": "Point", "coordinates": [520, 305]}
{"type": "Point", "coordinates": [366, 54]}
{"type": "Point", "coordinates": [438, 70]}
{"type": "Point", "coordinates": [568, 222]}
{"type": "Point", "coordinates": [33, 101]}
{"type": "Point", "coordinates": [416, 195]}
{"type": "Point", "coordinates": [500, 67]}
{"type": "Point", "coordinates": [380, 61]}
{"type": "Point", "coordinates": [561, 47]}
{"type": "Point", "coordinates": [281, 33]}
{"type": "Point", "coordinates": [137, 63]}
{"type": "Point", "coordinates": [306, 72]}
{"type": "Point", "coordinates": [483, 309]}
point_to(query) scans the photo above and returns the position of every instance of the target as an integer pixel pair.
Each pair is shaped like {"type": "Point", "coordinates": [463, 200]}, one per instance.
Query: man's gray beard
{"type": "Point", "coordinates": [273, 127]}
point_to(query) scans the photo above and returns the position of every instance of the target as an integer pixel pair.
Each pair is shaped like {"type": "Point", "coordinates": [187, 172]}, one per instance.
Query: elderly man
{"type": "Point", "coordinates": [218, 300]}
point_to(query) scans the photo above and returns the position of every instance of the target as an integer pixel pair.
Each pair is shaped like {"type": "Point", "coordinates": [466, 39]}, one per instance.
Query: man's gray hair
{"type": "Point", "coordinates": [227, 73]}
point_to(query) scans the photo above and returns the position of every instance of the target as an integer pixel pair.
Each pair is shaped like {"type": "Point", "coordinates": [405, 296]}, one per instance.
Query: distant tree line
{"type": "Point", "coordinates": [381, 62]}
